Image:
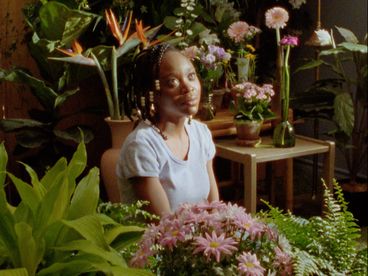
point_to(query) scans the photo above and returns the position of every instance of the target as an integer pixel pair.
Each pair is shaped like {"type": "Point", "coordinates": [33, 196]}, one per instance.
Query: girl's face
{"type": "Point", "coordinates": [180, 89]}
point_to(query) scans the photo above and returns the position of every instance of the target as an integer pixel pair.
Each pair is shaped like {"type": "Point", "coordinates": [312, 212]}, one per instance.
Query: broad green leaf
{"type": "Point", "coordinates": [31, 250]}
{"type": "Point", "coordinates": [86, 196]}
{"type": "Point", "coordinates": [63, 97]}
{"type": "Point", "coordinates": [76, 266]}
{"type": "Point", "coordinates": [117, 230]}
{"type": "Point", "coordinates": [37, 185]}
{"type": "Point", "coordinates": [310, 65]}
{"type": "Point", "coordinates": [89, 247]}
{"type": "Point", "coordinates": [122, 236]}
{"type": "Point", "coordinates": [51, 175]}
{"type": "Point", "coordinates": [78, 162]}
{"type": "Point", "coordinates": [74, 134]}
{"type": "Point", "coordinates": [54, 203]}
{"type": "Point", "coordinates": [348, 35]}
{"type": "Point", "coordinates": [9, 125]}
{"type": "Point", "coordinates": [26, 193]}
{"type": "Point", "coordinates": [14, 272]}
{"type": "Point", "coordinates": [44, 93]}
{"type": "Point", "coordinates": [90, 228]}
{"type": "Point", "coordinates": [32, 138]}
{"type": "Point", "coordinates": [344, 113]}
{"type": "Point", "coordinates": [7, 235]}
{"type": "Point", "coordinates": [353, 47]}
{"type": "Point", "coordinates": [58, 22]}
{"type": "Point", "coordinates": [3, 164]}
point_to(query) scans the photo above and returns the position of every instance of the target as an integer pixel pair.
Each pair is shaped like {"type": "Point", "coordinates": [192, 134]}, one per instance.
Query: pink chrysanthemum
{"type": "Point", "coordinates": [214, 245]}
{"type": "Point", "coordinates": [289, 40]}
{"type": "Point", "coordinates": [238, 30]}
{"type": "Point", "coordinates": [276, 18]}
{"type": "Point", "coordinates": [249, 265]}
{"type": "Point", "coordinates": [283, 262]}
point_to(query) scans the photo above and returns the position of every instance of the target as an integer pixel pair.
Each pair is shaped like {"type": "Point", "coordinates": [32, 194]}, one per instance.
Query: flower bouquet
{"type": "Point", "coordinates": [276, 18]}
{"type": "Point", "coordinates": [250, 106]}
{"type": "Point", "coordinates": [241, 33]}
{"type": "Point", "coordinates": [213, 239]}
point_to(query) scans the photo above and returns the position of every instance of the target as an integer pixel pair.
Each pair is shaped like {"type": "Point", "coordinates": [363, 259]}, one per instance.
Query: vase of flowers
{"type": "Point", "coordinates": [213, 239]}
{"type": "Point", "coordinates": [284, 134]}
{"type": "Point", "coordinates": [211, 62]}
{"type": "Point", "coordinates": [241, 34]}
{"type": "Point", "coordinates": [250, 106]}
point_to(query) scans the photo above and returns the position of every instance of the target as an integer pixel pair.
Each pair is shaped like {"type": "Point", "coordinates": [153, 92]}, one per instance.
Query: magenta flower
{"type": "Point", "coordinates": [249, 265]}
{"type": "Point", "coordinates": [214, 245]}
{"type": "Point", "coordinates": [289, 40]}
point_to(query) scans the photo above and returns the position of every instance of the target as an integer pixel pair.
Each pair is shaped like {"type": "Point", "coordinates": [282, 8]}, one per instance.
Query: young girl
{"type": "Point", "coordinates": [167, 159]}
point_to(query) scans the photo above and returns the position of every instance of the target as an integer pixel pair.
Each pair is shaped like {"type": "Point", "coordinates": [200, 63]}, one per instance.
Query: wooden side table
{"type": "Point", "coordinates": [265, 152]}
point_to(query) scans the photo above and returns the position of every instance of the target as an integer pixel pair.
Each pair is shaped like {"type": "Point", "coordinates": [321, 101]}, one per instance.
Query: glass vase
{"type": "Point", "coordinates": [207, 110]}
{"type": "Point", "coordinates": [284, 135]}
{"type": "Point", "coordinates": [243, 69]}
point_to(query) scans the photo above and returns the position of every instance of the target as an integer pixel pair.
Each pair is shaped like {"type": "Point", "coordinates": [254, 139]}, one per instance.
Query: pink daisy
{"type": "Point", "coordinates": [238, 30]}
{"type": "Point", "coordinates": [249, 265]}
{"type": "Point", "coordinates": [215, 245]}
{"type": "Point", "coordinates": [276, 18]}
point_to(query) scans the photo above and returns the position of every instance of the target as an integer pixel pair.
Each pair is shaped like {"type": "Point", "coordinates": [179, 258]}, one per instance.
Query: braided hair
{"type": "Point", "coordinates": [145, 78]}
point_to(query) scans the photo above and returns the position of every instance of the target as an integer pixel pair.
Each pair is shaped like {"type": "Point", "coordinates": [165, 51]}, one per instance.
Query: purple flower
{"type": "Point", "coordinates": [289, 40]}
{"type": "Point", "coordinates": [215, 245]}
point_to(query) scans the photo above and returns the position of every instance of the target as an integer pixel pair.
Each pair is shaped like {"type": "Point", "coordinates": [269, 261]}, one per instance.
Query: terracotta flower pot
{"type": "Point", "coordinates": [119, 131]}
{"type": "Point", "coordinates": [248, 132]}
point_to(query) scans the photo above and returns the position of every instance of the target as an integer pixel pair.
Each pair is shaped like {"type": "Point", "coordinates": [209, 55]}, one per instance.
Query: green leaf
{"type": "Point", "coordinates": [310, 65]}
{"type": "Point", "coordinates": [353, 47]}
{"type": "Point", "coordinates": [348, 35]}
{"type": "Point", "coordinates": [78, 162]}
{"type": "Point", "coordinates": [344, 113]}
{"type": "Point", "coordinates": [86, 196]}
{"type": "Point", "coordinates": [90, 228]}
{"type": "Point", "coordinates": [74, 134]}
{"type": "Point", "coordinates": [112, 233]}
{"type": "Point", "coordinates": [89, 247]}
{"type": "Point", "coordinates": [26, 193]}
{"type": "Point", "coordinates": [51, 175]}
{"type": "Point", "coordinates": [14, 272]}
{"type": "Point", "coordinates": [3, 163]}
{"type": "Point", "coordinates": [37, 185]}
{"type": "Point", "coordinates": [31, 250]}
{"type": "Point", "coordinates": [9, 125]}
{"type": "Point", "coordinates": [44, 93]}
{"type": "Point", "coordinates": [60, 99]}
{"type": "Point", "coordinates": [58, 22]}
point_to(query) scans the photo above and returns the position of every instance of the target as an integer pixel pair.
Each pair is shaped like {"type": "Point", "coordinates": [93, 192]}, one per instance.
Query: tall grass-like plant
{"type": "Point", "coordinates": [323, 245]}
{"type": "Point", "coordinates": [56, 229]}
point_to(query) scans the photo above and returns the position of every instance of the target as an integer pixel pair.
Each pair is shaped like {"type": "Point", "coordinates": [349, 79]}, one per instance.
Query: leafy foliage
{"type": "Point", "coordinates": [323, 245]}
{"type": "Point", "coordinates": [55, 229]}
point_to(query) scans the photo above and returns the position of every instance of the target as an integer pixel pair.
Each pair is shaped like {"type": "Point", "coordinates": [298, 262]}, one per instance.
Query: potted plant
{"type": "Point", "coordinates": [251, 106]}
{"type": "Point", "coordinates": [56, 229]}
{"type": "Point", "coordinates": [349, 90]}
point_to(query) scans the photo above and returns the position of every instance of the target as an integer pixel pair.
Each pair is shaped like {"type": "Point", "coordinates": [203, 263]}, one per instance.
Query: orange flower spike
{"type": "Point", "coordinates": [114, 26]}
{"type": "Point", "coordinates": [140, 32]}
{"type": "Point", "coordinates": [77, 48]}
{"type": "Point", "coordinates": [127, 28]}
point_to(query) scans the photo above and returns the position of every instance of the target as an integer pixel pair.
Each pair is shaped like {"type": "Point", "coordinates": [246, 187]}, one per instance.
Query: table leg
{"type": "Point", "coordinates": [250, 183]}
{"type": "Point", "coordinates": [329, 165]}
{"type": "Point", "coordinates": [289, 184]}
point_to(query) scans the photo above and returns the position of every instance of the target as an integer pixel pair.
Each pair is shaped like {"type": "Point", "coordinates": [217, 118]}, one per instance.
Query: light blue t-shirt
{"type": "Point", "coordinates": [145, 154]}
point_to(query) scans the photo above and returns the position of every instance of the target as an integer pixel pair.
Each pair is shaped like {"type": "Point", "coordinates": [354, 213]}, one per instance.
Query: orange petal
{"type": "Point", "coordinates": [114, 26]}
{"type": "Point", "coordinates": [77, 48]}
{"type": "Point", "coordinates": [127, 28]}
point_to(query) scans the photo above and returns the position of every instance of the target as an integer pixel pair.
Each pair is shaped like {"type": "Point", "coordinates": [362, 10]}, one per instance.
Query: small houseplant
{"type": "Point", "coordinates": [251, 106]}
